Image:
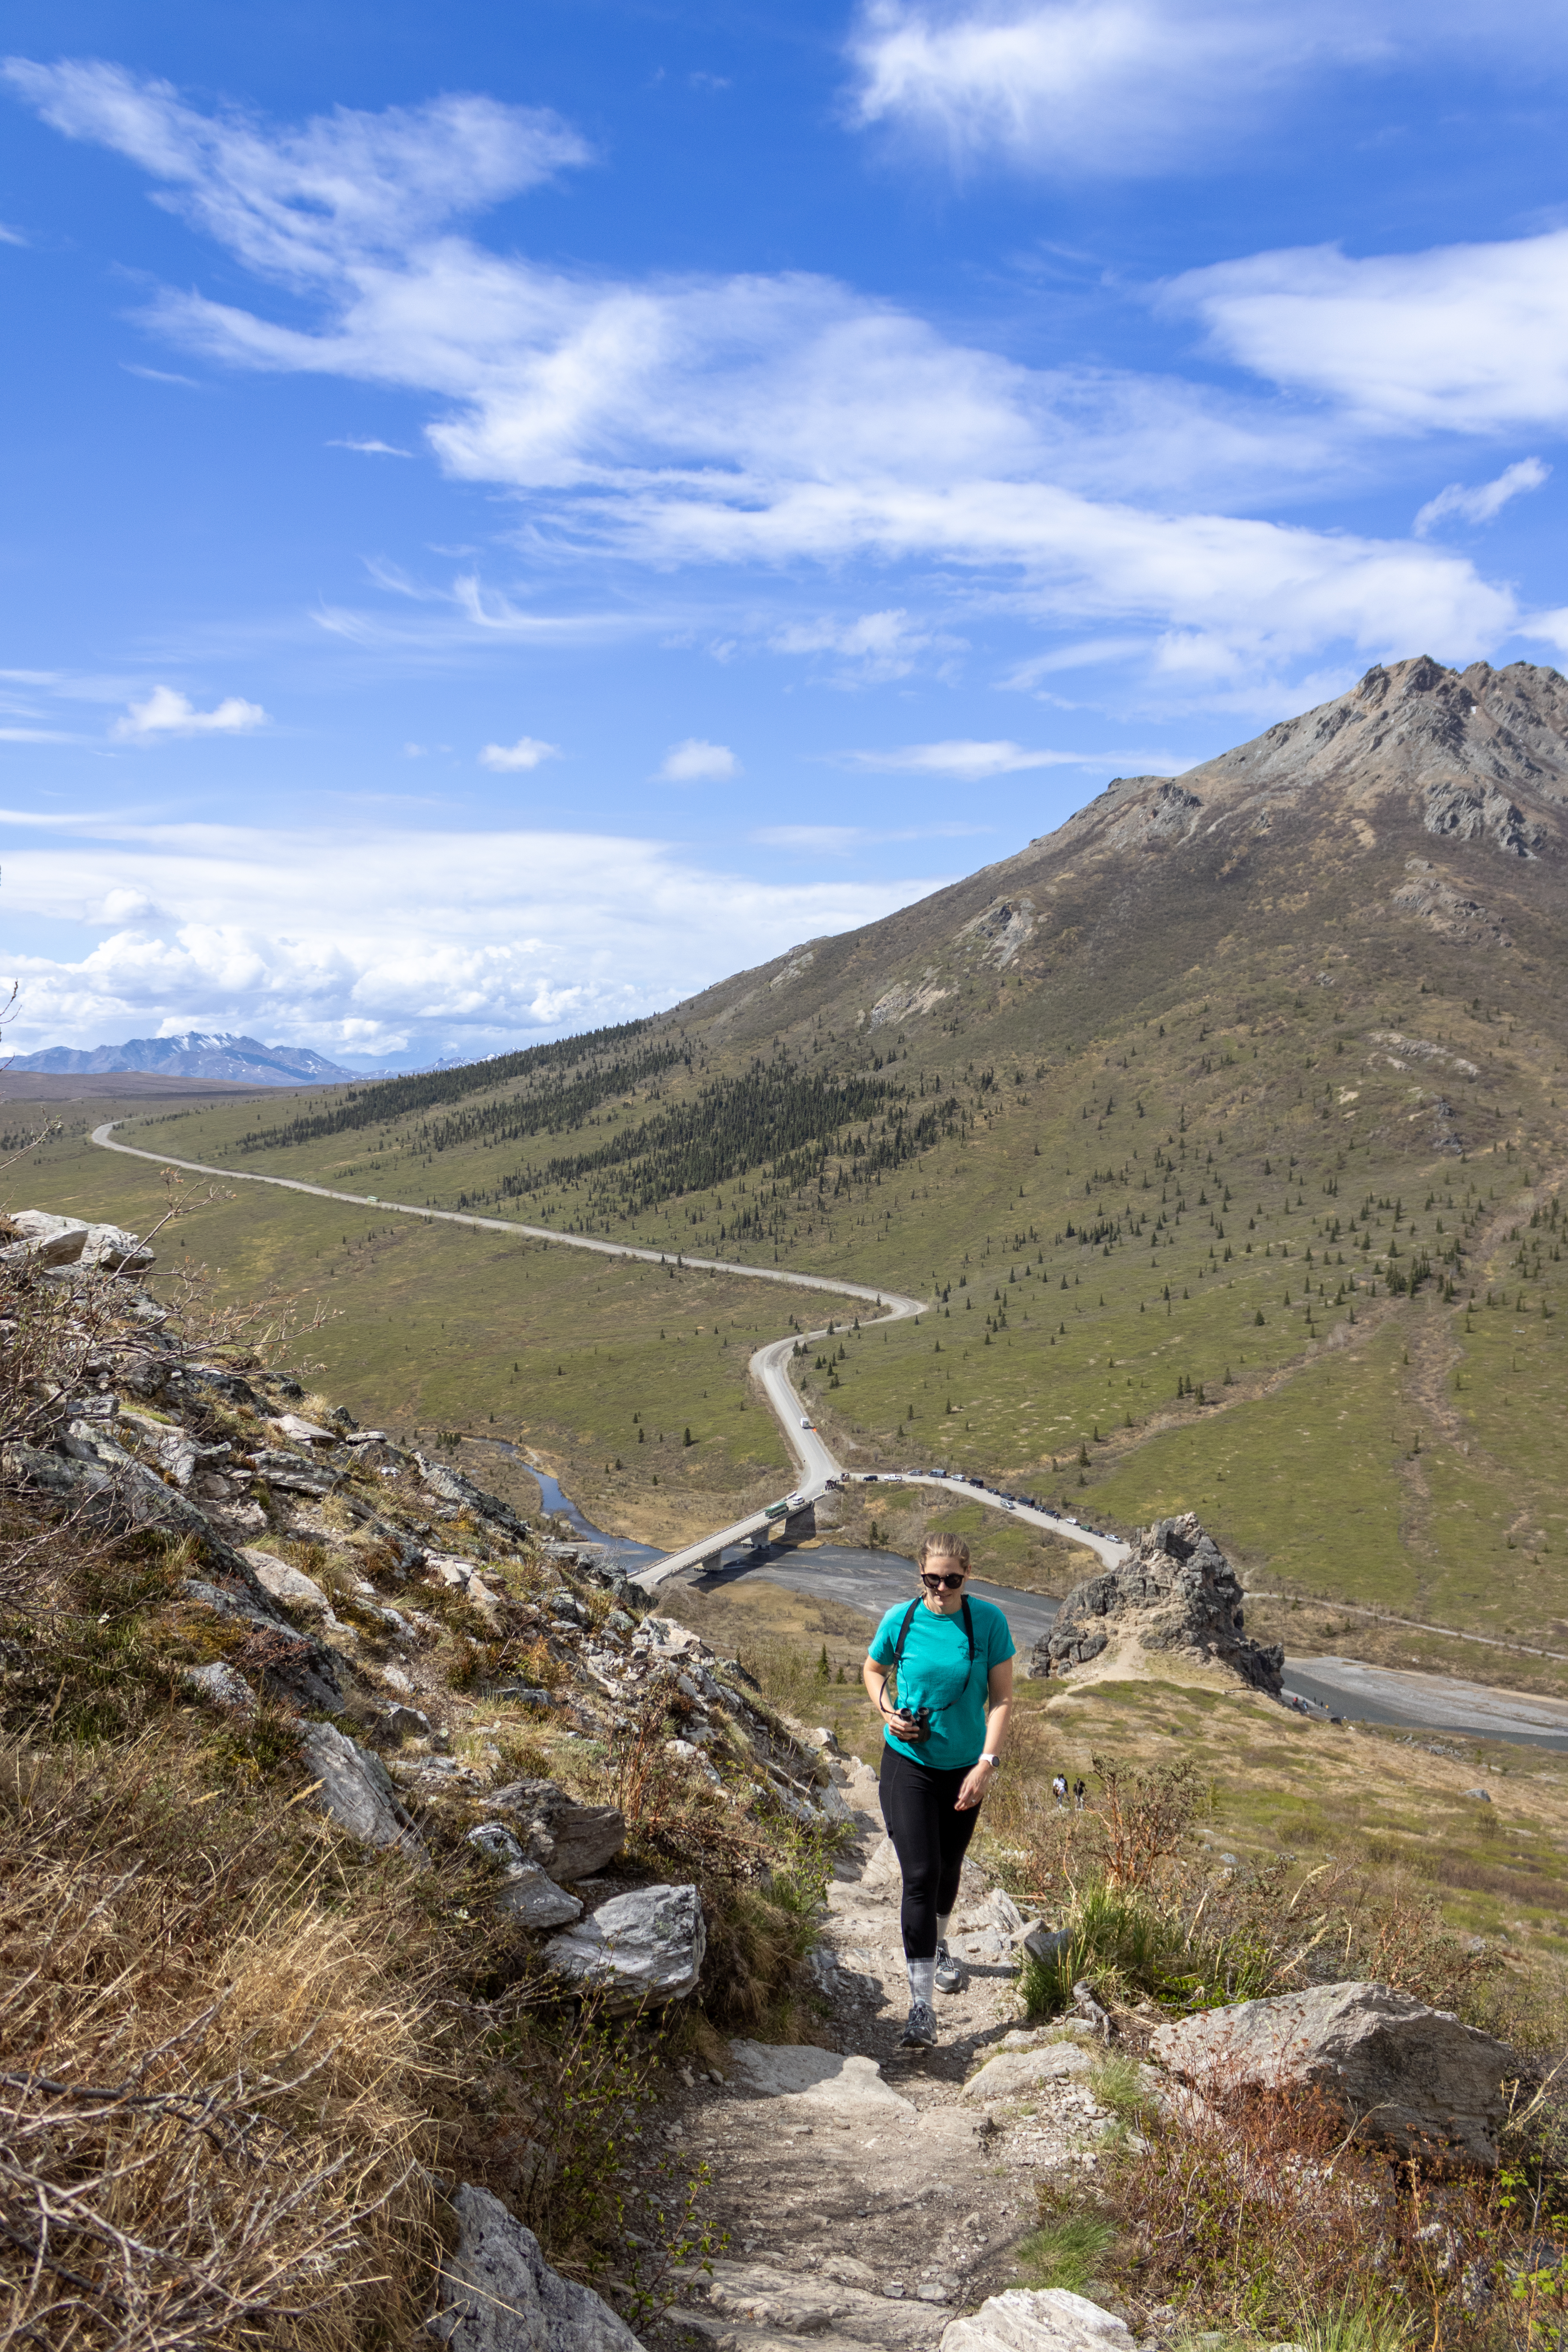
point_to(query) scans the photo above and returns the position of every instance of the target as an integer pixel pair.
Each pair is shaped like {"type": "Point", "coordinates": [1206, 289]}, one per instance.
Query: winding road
{"type": "Point", "coordinates": [769, 1366]}
{"type": "Point", "coordinates": [1433, 1700]}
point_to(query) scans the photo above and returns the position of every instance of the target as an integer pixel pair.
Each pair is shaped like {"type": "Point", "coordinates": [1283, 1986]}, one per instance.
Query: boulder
{"type": "Point", "coordinates": [1411, 2078]}
{"type": "Point", "coordinates": [290, 1585]}
{"type": "Point", "coordinates": [523, 1893]}
{"type": "Point", "coordinates": [568, 1840]}
{"type": "Point", "coordinates": [46, 1240]}
{"type": "Point", "coordinates": [116, 1251]}
{"type": "Point", "coordinates": [648, 1945]}
{"type": "Point", "coordinates": [498, 2294]}
{"type": "Point", "coordinates": [1176, 1593]}
{"type": "Point", "coordinates": [1046, 2319]}
{"type": "Point", "coordinates": [356, 1789]}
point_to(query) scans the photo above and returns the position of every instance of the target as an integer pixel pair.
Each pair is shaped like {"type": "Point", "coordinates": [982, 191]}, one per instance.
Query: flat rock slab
{"type": "Point", "coordinates": [1047, 2319]}
{"type": "Point", "coordinates": [648, 1945]}
{"type": "Point", "coordinates": [1013, 2072]}
{"type": "Point", "coordinates": [789, 2304]}
{"type": "Point", "coordinates": [791, 2070]}
{"type": "Point", "coordinates": [354, 1787]}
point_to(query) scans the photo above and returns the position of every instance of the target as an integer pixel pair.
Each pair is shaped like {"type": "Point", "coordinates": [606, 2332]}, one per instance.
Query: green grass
{"type": "Point", "coordinates": [1070, 2253]}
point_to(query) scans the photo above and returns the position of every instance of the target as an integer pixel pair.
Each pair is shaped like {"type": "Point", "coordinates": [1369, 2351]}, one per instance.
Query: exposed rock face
{"type": "Point", "coordinates": [568, 1840]}
{"type": "Point", "coordinates": [498, 2294]}
{"type": "Point", "coordinates": [648, 1945]}
{"type": "Point", "coordinates": [1414, 2079]}
{"type": "Point", "coordinates": [1178, 1593]}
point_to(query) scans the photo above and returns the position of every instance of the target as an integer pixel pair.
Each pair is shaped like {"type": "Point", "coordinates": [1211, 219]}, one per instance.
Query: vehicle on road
{"type": "Point", "coordinates": [805, 1421]}
{"type": "Point", "coordinates": [978, 1482]}
{"type": "Point", "coordinates": [795, 1502]}
{"type": "Point", "coordinates": [867, 1478]}
{"type": "Point", "coordinates": [1007, 1504]}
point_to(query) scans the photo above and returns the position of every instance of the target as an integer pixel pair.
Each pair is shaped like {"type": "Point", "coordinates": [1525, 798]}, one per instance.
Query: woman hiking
{"type": "Point", "coordinates": [949, 1660]}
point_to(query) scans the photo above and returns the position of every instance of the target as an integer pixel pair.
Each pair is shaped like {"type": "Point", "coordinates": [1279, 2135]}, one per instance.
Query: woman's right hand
{"type": "Point", "coordinates": [902, 1727]}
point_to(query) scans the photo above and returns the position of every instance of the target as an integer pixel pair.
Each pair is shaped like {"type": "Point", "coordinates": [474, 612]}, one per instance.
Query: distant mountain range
{"type": "Point", "coordinates": [206, 1054]}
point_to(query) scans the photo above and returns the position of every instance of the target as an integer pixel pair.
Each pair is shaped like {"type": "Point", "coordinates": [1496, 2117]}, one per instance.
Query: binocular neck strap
{"type": "Point", "coordinates": [909, 1620]}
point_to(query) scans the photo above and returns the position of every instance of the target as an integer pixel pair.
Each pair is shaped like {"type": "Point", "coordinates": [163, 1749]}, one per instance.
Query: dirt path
{"type": "Point", "coordinates": [867, 2197]}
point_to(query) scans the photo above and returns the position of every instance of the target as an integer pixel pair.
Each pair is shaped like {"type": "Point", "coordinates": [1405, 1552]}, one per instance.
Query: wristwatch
{"type": "Point", "coordinates": [994, 1762]}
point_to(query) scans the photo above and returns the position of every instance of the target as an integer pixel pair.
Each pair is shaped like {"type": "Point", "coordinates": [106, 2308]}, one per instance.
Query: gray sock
{"type": "Point", "coordinates": [943, 1922]}
{"type": "Point", "coordinates": [923, 1979]}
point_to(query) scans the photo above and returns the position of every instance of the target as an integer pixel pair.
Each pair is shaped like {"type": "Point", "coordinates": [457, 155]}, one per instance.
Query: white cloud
{"type": "Point", "coordinates": [1488, 498]}
{"type": "Point", "coordinates": [526, 752]}
{"type": "Point", "coordinates": [1464, 338]}
{"type": "Point", "coordinates": [1126, 88]}
{"type": "Point", "coordinates": [768, 421]}
{"type": "Point", "coordinates": [290, 202]}
{"type": "Point", "coordinates": [168, 712]}
{"type": "Point", "coordinates": [365, 935]}
{"type": "Point", "coordinates": [371, 448]}
{"type": "Point", "coordinates": [694, 761]}
{"type": "Point", "coordinates": [1117, 87]}
{"type": "Point", "coordinates": [970, 761]}
{"type": "Point", "coordinates": [161, 375]}
{"type": "Point", "coordinates": [9, 236]}
{"type": "Point", "coordinates": [873, 649]}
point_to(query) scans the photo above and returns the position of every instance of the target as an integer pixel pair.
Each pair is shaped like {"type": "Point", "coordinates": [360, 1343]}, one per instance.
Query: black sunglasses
{"type": "Point", "coordinates": [943, 1583]}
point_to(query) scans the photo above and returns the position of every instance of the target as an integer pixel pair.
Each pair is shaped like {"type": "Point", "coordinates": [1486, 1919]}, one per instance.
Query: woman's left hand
{"type": "Point", "coordinates": [975, 1784]}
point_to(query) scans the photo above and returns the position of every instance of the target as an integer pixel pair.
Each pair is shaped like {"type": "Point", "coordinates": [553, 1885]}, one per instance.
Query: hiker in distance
{"type": "Point", "coordinates": [950, 1662]}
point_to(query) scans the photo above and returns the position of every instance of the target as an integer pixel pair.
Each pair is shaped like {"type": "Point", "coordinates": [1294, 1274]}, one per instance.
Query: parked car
{"type": "Point", "coordinates": [805, 1421]}
{"type": "Point", "coordinates": [978, 1482]}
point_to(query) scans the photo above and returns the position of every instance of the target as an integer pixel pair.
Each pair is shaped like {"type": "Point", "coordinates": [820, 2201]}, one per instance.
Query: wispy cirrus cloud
{"type": "Point", "coordinates": [771, 422]}
{"type": "Point", "coordinates": [1462, 338]}
{"type": "Point", "coordinates": [969, 761]}
{"type": "Point", "coordinates": [1486, 499]}
{"type": "Point", "coordinates": [1126, 89]}
{"type": "Point", "coordinates": [371, 448]}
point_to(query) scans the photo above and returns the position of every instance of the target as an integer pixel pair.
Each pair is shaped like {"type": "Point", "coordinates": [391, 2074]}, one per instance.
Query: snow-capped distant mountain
{"type": "Point", "coordinates": [199, 1054]}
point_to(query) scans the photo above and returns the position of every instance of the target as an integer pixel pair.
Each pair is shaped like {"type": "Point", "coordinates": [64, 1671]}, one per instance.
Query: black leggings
{"type": "Point", "coordinates": [930, 1839]}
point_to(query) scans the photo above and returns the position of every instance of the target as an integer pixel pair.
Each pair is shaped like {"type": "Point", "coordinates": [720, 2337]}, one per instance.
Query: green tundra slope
{"type": "Point", "coordinates": [1224, 1127]}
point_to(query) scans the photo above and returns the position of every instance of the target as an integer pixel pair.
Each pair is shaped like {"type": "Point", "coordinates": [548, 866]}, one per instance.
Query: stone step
{"type": "Point", "coordinates": [741, 2304]}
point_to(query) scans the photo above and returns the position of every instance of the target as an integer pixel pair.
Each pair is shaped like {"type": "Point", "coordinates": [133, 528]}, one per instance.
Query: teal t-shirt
{"type": "Point", "coordinates": [936, 1672]}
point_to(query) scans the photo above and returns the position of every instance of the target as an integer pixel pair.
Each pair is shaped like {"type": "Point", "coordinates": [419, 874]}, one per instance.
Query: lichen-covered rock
{"type": "Point", "coordinates": [1177, 1593]}
{"type": "Point", "coordinates": [1410, 2078]}
{"type": "Point", "coordinates": [498, 2294]}
{"type": "Point", "coordinates": [648, 1945]}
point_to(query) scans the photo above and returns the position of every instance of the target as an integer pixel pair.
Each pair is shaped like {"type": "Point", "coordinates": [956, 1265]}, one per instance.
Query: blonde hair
{"type": "Point", "coordinates": [941, 1546]}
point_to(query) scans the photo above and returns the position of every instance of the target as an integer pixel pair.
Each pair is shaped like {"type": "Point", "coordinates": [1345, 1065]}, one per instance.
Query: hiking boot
{"type": "Point", "coordinates": [920, 2034]}
{"type": "Point", "coordinates": [952, 1976]}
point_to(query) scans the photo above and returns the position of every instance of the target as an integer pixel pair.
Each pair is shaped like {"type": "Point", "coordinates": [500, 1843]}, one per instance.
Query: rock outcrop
{"type": "Point", "coordinates": [1177, 1595]}
{"type": "Point", "coordinates": [1409, 2078]}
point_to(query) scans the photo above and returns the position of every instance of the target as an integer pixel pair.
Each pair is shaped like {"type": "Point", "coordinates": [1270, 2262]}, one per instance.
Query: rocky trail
{"type": "Point", "coordinates": [868, 2194]}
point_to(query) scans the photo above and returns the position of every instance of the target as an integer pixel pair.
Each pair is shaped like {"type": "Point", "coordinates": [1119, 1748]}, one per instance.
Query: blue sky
{"type": "Point", "coordinates": [512, 514]}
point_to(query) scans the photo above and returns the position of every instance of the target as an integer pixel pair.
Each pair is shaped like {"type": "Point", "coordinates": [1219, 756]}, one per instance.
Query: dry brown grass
{"type": "Point", "coordinates": [218, 2078]}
